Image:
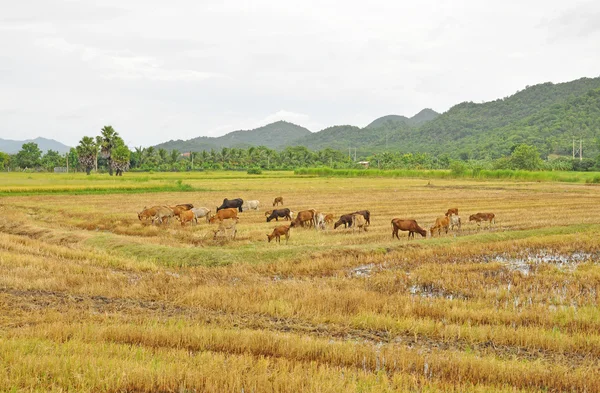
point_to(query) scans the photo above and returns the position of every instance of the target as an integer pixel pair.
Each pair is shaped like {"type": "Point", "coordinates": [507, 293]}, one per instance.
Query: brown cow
{"type": "Point", "coordinates": [451, 211]}
{"type": "Point", "coordinates": [224, 214]}
{"type": "Point", "coordinates": [304, 217]}
{"type": "Point", "coordinates": [411, 226]}
{"type": "Point", "coordinates": [278, 232]}
{"type": "Point", "coordinates": [491, 217]}
{"type": "Point", "coordinates": [329, 218]}
{"type": "Point", "coordinates": [441, 223]}
{"type": "Point", "coordinates": [187, 216]}
{"type": "Point", "coordinates": [147, 213]}
{"type": "Point", "coordinates": [345, 219]}
{"type": "Point", "coordinates": [277, 201]}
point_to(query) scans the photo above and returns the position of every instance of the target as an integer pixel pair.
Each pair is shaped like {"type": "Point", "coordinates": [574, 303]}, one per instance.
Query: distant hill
{"type": "Point", "coordinates": [393, 121]}
{"type": "Point", "coordinates": [12, 147]}
{"type": "Point", "coordinates": [273, 135]}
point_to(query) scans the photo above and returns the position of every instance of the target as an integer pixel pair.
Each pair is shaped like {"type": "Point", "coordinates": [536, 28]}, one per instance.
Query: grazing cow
{"type": "Point", "coordinates": [491, 217]}
{"type": "Point", "coordinates": [200, 212]}
{"type": "Point", "coordinates": [227, 229]}
{"type": "Point", "coordinates": [455, 222]}
{"type": "Point", "coordinates": [147, 213]}
{"type": "Point", "coordinates": [359, 222]}
{"type": "Point", "coordinates": [232, 203]}
{"type": "Point", "coordinates": [163, 214]}
{"type": "Point", "coordinates": [452, 211]}
{"type": "Point", "coordinates": [224, 214]}
{"type": "Point", "coordinates": [251, 205]}
{"type": "Point", "coordinates": [277, 201]}
{"type": "Point", "coordinates": [366, 214]}
{"type": "Point", "coordinates": [277, 213]}
{"type": "Point", "coordinates": [345, 219]}
{"type": "Point", "coordinates": [411, 226]}
{"type": "Point", "coordinates": [187, 216]}
{"type": "Point", "coordinates": [319, 221]}
{"type": "Point", "coordinates": [329, 218]}
{"type": "Point", "coordinates": [184, 206]}
{"type": "Point", "coordinates": [304, 217]}
{"type": "Point", "coordinates": [440, 223]}
{"type": "Point", "coordinates": [282, 230]}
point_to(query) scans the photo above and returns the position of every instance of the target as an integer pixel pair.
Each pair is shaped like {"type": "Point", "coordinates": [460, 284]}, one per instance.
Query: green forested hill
{"type": "Point", "coordinates": [272, 135]}
{"type": "Point", "coordinates": [547, 116]}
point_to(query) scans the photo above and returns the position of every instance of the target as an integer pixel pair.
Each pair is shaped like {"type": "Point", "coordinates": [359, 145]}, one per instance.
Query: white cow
{"type": "Point", "coordinates": [201, 212]}
{"type": "Point", "coordinates": [454, 221]}
{"type": "Point", "coordinates": [250, 205]}
{"type": "Point", "coordinates": [227, 229]}
{"type": "Point", "coordinates": [319, 220]}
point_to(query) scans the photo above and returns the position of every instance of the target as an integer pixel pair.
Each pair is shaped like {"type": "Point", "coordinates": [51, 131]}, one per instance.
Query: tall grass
{"type": "Point", "coordinates": [556, 176]}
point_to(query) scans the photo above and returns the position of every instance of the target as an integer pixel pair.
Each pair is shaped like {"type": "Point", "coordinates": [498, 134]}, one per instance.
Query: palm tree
{"type": "Point", "coordinates": [86, 152]}
{"type": "Point", "coordinates": [108, 141]}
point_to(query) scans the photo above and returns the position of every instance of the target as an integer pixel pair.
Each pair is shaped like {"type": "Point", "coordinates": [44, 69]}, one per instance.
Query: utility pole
{"type": "Point", "coordinates": [67, 162]}
{"type": "Point", "coordinates": [573, 147]}
{"type": "Point", "coordinates": [192, 157]}
{"type": "Point", "coordinates": [96, 162]}
{"type": "Point", "coordinates": [349, 154]}
{"type": "Point", "coordinates": [355, 154]}
{"type": "Point", "coordinates": [580, 150]}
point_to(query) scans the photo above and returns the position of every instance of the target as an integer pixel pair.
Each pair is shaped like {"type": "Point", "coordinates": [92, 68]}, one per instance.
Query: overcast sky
{"type": "Point", "coordinates": [161, 70]}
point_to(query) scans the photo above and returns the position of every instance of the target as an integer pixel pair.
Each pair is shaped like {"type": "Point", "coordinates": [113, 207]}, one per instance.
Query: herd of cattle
{"type": "Point", "coordinates": [227, 217]}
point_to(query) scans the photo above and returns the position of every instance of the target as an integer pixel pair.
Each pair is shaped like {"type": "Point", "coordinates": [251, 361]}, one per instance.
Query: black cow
{"type": "Point", "coordinates": [366, 214]}
{"type": "Point", "coordinates": [284, 213]}
{"type": "Point", "coordinates": [232, 203]}
{"type": "Point", "coordinates": [345, 219]}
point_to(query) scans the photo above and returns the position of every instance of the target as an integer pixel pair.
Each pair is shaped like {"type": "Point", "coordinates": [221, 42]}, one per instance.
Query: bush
{"type": "Point", "coordinates": [254, 171]}
{"type": "Point", "coordinates": [458, 168]}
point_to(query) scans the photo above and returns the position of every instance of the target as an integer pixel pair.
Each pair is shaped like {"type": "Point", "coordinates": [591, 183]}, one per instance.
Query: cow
{"type": "Point", "coordinates": [162, 213]}
{"type": "Point", "coordinates": [455, 222]}
{"type": "Point", "coordinates": [411, 226]}
{"type": "Point", "coordinates": [366, 214]}
{"type": "Point", "coordinates": [452, 211]}
{"type": "Point", "coordinates": [147, 213]}
{"type": "Point", "coordinates": [251, 205]}
{"type": "Point", "coordinates": [359, 222]}
{"type": "Point", "coordinates": [232, 203]}
{"type": "Point", "coordinates": [440, 223]}
{"type": "Point", "coordinates": [277, 201]}
{"type": "Point", "coordinates": [187, 216]}
{"type": "Point", "coordinates": [277, 213]}
{"type": "Point", "coordinates": [282, 230]}
{"type": "Point", "coordinates": [227, 229]}
{"type": "Point", "coordinates": [491, 217]}
{"type": "Point", "coordinates": [200, 212]}
{"type": "Point", "coordinates": [345, 219]}
{"type": "Point", "coordinates": [319, 221]}
{"type": "Point", "coordinates": [304, 217]}
{"type": "Point", "coordinates": [224, 214]}
{"type": "Point", "coordinates": [329, 218]}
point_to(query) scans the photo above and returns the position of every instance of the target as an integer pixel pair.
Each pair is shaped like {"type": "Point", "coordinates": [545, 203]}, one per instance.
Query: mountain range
{"type": "Point", "coordinates": [549, 116]}
{"type": "Point", "coordinates": [546, 115]}
{"type": "Point", "coordinates": [12, 147]}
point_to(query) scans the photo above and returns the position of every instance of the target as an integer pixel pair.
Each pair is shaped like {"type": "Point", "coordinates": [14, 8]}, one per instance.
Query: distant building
{"type": "Point", "coordinates": [186, 155]}
{"type": "Point", "coordinates": [365, 164]}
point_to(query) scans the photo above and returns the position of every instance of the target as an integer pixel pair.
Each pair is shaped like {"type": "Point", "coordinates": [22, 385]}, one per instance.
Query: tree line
{"type": "Point", "coordinates": [108, 153]}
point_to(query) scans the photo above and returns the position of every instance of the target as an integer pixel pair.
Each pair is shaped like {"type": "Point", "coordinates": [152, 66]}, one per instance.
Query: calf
{"type": "Point", "coordinates": [224, 214]}
{"type": "Point", "coordinates": [277, 201]}
{"type": "Point", "coordinates": [163, 214]}
{"type": "Point", "coordinates": [440, 223]}
{"type": "Point", "coordinates": [277, 213]}
{"type": "Point", "coordinates": [227, 229]}
{"type": "Point", "coordinates": [187, 216]}
{"type": "Point", "coordinates": [455, 222]}
{"type": "Point", "coordinates": [407, 225]}
{"type": "Point", "coordinates": [329, 218]}
{"type": "Point", "coordinates": [278, 232]}
{"type": "Point", "coordinates": [359, 222]}
{"type": "Point", "coordinates": [366, 214]}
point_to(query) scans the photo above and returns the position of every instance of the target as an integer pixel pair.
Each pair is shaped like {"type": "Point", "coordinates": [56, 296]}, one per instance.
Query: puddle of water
{"type": "Point", "coordinates": [362, 271]}
{"type": "Point", "coordinates": [526, 263]}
